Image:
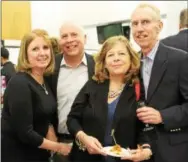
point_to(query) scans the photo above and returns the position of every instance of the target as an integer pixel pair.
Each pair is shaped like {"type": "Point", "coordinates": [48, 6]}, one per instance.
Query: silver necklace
{"type": "Point", "coordinates": [112, 94]}
{"type": "Point", "coordinates": [45, 89]}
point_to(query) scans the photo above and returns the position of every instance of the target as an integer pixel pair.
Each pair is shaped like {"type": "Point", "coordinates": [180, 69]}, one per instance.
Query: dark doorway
{"type": "Point", "coordinates": [126, 31]}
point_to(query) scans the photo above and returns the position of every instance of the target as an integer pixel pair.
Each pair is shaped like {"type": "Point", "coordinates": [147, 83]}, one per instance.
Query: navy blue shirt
{"type": "Point", "coordinates": [108, 141]}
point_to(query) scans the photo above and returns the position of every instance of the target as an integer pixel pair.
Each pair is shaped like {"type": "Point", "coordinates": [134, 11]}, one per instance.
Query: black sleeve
{"type": "Point", "coordinates": [75, 116]}
{"type": "Point", "coordinates": [21, 111]}
{"type": "Point", "coordinates": [177, 115]}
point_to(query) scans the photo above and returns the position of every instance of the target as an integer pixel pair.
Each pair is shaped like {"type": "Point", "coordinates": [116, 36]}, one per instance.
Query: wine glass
{"type": "Point", "coordinates": [148, 127]}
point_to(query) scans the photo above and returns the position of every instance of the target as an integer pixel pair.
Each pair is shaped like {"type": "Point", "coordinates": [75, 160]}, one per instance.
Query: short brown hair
{"type": "Point", "coordinates": [23, 63]}
{"type": "Point", "coordinates": [101, 72]}
{"type": "Point", "coordinates": [184, 18]}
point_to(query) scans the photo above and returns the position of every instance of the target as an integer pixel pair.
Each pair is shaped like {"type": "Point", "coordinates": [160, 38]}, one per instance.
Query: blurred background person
{"type": "Point", "coordinates": [180, 40]}
{"type": "Point", "coordinates": [7, 71]}
{"type": "Point", "coordinates": [55, 45]}
{"type": "Point", "coordinates": [8, 68]}
{"type": "Point", "coordinates": [107, 103]}
{"type": "Point", "coordinates": [2, 43]}
{"type": "Point", "coordinates": [27, 133]}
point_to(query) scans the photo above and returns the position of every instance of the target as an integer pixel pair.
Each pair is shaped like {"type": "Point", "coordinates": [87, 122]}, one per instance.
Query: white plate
{"type": "Point", "coordinates": [123, 152]}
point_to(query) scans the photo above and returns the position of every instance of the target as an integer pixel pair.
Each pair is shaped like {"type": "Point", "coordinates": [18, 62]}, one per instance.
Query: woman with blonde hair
{"type": "Point", "coordinates": [29, 113]}
{"type": "Point", "coordinates": [106, 107]}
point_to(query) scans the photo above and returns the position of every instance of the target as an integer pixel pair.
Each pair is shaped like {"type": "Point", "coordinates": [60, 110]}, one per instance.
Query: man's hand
{"type": "Point", "coordinates": [149, 115]}
{"type": "Point", "coordinates": [64, 149]}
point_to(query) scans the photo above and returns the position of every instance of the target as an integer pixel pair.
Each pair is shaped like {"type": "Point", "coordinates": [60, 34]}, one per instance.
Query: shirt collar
{"type": "Point", "coordinates": [84, 61]}
{"type": "Point", "coordinates": [152, 53]}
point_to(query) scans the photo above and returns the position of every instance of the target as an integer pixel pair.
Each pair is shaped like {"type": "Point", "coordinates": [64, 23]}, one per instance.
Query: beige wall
{"type": "Point", "coordinates": [16, 19]}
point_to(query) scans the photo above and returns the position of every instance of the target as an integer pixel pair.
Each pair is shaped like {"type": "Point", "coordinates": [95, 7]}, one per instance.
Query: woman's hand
{"type": "Point", "coordinates": [139, 155]}
{"type": "Point", "coordinates": [92, 144]}
{"type": "Point", "coordinates": [51, 134]}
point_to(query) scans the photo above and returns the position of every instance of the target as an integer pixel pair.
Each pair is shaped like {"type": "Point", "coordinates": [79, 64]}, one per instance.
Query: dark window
{"type": "Point", "coordinates": [106, 31]}
{"type": "Point", "coordinates": [126, 32]}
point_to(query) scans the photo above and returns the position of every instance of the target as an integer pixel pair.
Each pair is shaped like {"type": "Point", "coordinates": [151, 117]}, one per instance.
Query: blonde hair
{"type": "Point", "coordinates": [156, 12]}
{"type": "Point", "coordinates": [23, 62]}
{"type": "Point", "coordinates": [40, 31]}
{"type": "Point", "coordinates": [101, 73]}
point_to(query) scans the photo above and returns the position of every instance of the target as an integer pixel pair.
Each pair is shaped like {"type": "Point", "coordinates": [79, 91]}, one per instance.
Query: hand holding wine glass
{"type": "Point", "coordinates": [148, 115]}
{"type": "Point", "coordinates": [143, 113]}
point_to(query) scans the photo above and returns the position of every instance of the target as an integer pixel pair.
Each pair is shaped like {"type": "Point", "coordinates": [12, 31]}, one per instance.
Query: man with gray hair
{"type": "Point", "coordinates": [73, 69]}
{"type": "Point", "coordinates": [180, 40]}
{"type": "Point", "coordinates": [165, 77]}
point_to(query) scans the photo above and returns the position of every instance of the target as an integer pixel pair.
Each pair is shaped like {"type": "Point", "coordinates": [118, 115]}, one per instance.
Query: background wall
{"type": "Point", "coordinates": [92, 13]}
{"type": "Point", "coordinates": [49, 15]}
{"type": "Point", "coordinates": [16, 19]}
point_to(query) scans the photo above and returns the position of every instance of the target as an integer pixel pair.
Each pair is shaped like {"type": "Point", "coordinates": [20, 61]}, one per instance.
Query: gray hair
{"type": "Point", "coordinates": [156, 11]}
{"type": "Point", "coordinates": [80, 27]}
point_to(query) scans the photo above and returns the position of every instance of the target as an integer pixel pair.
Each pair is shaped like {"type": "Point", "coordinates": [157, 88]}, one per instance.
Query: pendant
{"type": "Point", "coordinates": [46, 92]}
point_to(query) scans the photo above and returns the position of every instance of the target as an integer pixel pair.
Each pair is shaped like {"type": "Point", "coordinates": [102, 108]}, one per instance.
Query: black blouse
{"type": "Point", "coordinates": [26, 115]}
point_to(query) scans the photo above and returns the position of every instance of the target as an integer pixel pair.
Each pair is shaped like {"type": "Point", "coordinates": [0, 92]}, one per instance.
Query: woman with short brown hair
{"type": "Point", "coordinates": [107, 105]}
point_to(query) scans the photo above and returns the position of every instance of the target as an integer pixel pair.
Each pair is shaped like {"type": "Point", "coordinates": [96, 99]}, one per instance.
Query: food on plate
{"type": "Point", "coordinates": [116, 149]}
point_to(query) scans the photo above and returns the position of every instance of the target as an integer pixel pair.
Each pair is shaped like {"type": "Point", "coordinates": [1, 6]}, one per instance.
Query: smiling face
{"type": "Point", "coordinates": [145, 27]}
{"type": "Point", "coordinates": [117, 60]}
{"type": "Point", "coordinates": [39, 53]}
{"type": "Point", "coordinates": [72, 39]}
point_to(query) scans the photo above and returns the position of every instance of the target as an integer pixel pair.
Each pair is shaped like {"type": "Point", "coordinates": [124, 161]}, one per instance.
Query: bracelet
{"type": "Point", "coordinates": [150, 154]}
{"type": "Point", "coordinates": [146, 147]}
{"type": "Point", "coordinates": [80, 144]}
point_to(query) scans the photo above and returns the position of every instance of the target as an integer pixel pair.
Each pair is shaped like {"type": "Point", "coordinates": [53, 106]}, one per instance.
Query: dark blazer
{"type": "Point", "coordinates": [168, 92]}
{"type": "Point", "coordinates": [53, 79]}
{"type": "Point", "coordinates": [179, 40]}
{"type": "Point", "coordinates": [89, 113]}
